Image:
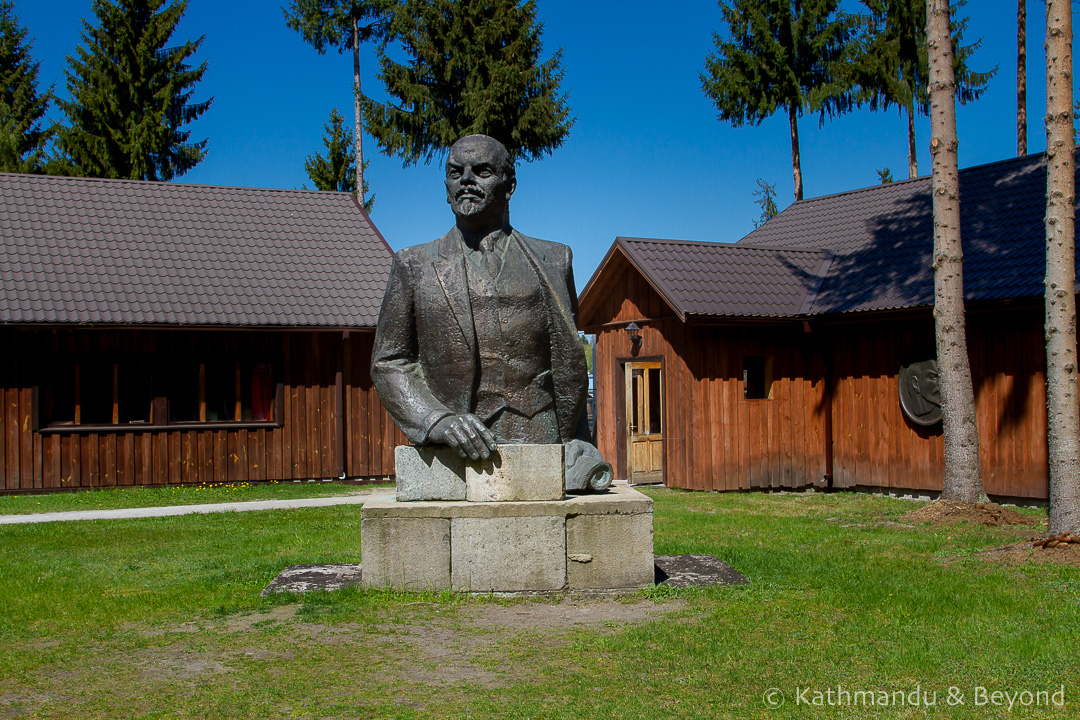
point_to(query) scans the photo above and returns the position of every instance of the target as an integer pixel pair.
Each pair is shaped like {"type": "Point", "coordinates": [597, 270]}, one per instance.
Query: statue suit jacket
{"type": "Point", "coordinates": [424, 363]}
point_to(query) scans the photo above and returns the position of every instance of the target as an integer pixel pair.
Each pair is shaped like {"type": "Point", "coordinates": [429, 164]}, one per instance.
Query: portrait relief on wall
{"type": "Point", "coordinates": [920, 394]}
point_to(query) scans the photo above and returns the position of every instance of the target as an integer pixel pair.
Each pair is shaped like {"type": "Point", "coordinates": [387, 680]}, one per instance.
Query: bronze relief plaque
{"type": "Point", "coordinates": [920, 394]}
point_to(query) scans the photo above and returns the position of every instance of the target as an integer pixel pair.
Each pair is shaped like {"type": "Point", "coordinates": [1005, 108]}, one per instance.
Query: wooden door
{"type": "Point", "coordinates": [644, 423]}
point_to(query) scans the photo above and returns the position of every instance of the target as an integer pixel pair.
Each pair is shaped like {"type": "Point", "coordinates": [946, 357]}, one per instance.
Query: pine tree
{"type": "Point", "coordinates": [892, 68]}
{"type": "Point", "coordinates": [474, 67]}
{"type": "Point", "coordinates": [335, 170]}
{"type": "Point", "coordinates": [1062, 386]}
{"type": "Point", "coordinates": [963, 481]}
{"type": "Point", "coordinates": [782, 54]}
{"type": "Point", "coordinates": [23, 139]}
{"type": "Point", "coordinates": [343, 24]}
{"type": "Point", "coordinates": [131, 94]}
{"type": "Point", "coordinates": [766, 200]}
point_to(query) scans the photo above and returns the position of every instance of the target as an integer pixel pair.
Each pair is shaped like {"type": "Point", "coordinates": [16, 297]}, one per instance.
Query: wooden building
{"type": "Point", "coordinates": [773, 362]}
{"type": "Point", "coordinates": [159, 333]}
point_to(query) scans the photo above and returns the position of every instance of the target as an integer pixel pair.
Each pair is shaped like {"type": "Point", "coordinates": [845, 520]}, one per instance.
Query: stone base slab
{"type": "Point", "coordinates": [589, 542]}
{"type": "Point", "coordinates": [514, 473]}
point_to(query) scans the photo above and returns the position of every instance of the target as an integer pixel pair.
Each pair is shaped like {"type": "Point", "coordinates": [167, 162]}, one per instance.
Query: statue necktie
{"type": "Point", "coordinates": [490, 259]}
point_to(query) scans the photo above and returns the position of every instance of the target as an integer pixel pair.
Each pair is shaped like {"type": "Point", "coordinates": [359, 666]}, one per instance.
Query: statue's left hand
{"type": "Point", "coordinates": [465, 433]}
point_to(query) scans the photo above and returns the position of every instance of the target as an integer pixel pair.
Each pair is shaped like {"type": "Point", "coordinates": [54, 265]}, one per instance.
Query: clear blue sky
{"type": "Point", "coordinates": [646, 158]}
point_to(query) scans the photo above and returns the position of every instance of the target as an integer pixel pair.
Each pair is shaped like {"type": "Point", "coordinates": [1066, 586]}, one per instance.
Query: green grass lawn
{"type": "Point", "coordinates": [162, 618]}
{"type": "Point", "coordinates": [137, 497]}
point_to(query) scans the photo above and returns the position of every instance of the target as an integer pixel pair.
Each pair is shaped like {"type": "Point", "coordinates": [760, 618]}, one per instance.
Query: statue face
{"type": "Point", "coordinates": [924, 380]}
{"type": "Point", "coordinates": [476, 184]}
{"type": "Point", "coordinates": [920, 391]}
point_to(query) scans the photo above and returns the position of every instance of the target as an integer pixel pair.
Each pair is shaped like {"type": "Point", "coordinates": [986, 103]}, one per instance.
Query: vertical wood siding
{"type": "Point", "coordinates": [714, 439]}
{"type": "Point", "coordinates": [874, 444]}
{"type": "Point", "coordinates": [843, 375]}
{"type": "Point", "coordinates": [304, 447]}
{"type": "Point", "coordinates": [372, 434]}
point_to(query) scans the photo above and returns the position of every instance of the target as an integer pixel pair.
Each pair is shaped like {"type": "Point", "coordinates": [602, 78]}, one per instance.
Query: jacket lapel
{"type": "Point", "coordinates": [450, 272]}
{"type": "Point", "coordinates": [567, 358]}
{"type": "Point", "coordinates": [548, 271]}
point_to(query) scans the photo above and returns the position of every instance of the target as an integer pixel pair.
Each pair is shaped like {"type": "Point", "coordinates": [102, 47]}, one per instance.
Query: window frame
{"type": "Point", "coordinates": [159, 402]}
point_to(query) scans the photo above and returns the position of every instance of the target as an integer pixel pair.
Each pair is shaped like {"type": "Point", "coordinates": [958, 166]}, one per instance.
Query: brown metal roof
{"type": "Point", "coordinates": [713, 279]}
{"type": "Point", "coordinates": [81, 250]}
{"type": "Point", "coordinates": [883, 237]}
{"type": "Point", "coordinates": [862, 250]}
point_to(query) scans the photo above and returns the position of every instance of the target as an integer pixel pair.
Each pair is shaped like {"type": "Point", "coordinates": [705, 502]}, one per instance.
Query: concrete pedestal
{"type": "Point", "coordinates": [588, 542]}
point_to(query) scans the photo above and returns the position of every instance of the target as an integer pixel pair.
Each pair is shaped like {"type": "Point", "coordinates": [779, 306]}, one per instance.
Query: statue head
{"type": "Point", "coordinates": [480, 179]}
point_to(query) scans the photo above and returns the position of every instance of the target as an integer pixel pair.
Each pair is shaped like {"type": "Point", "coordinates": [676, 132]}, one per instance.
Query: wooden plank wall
{"type": "Point", "coordinates": [714, 439]}
{"type": "Point", "coordinates": [303, 447]}
{"type": "Point", "coordinates": [372, 435]}
{"type": "Point", "coordinates": [844, 372]}
{"type": "Point", "coordinates": [874, 445]}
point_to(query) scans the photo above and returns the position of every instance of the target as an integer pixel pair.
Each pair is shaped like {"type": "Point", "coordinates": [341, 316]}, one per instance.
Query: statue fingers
{"type": "Point", "coordinates": [466, 441]}
{"type": "Point", "coordinates": [485, 440]}
{"type": "Point", "coordinates": [475, 432]}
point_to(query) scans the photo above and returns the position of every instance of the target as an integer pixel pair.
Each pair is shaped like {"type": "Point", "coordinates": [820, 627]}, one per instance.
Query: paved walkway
{"type": "Point", "coordinates": [359, 499]}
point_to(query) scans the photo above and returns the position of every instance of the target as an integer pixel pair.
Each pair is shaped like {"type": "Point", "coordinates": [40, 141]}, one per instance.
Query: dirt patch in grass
{"type": "Point", "coordinates": [466, 649]}
{"type": "Point", "coordinates": [949, 512]}
{"type": "Point", "coordinates": [242, 623]}
{"type": "Point", "coordinates": [13, 706]}
{"type": "Point", "coordinates": [179, 664]}
{"type": "Point", "coordinates": [436, 645]}
{"type": "Point", "coordinates": [443, 656]}
{"type": "Point", "coordinates": [1023, 553]}
{"type": "Point", "coordinates": [567, 614]}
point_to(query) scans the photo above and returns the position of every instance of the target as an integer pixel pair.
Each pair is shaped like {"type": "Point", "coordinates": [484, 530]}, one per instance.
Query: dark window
{"type": "Point", "coordinates": [58, 398]}
{"type": "Point", "coordinates": [258, 399]}
{"type": "Point", "coordinates": [181, 386]}
{"type": "Point", "coordinates": [654, 401]}
{"type": "Point", "coordinates": [646, 405]}
{"type": "Point", "coordinates": [94, 381]}
{"type": "Point", "coordinates": [134, 392]}
{"type": "Point", "coordinates": [757, 385]}
{"type": "Point", "coordinates": [636, 401]}
{"type": "Point", "coordinates": [220, 379]}
{"type": "Point", "coordinates": [129, 389]}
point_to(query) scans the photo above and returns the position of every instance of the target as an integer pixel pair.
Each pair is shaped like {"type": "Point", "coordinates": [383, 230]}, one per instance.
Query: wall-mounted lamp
{"type": "Point", "coordinates": [635, 337]}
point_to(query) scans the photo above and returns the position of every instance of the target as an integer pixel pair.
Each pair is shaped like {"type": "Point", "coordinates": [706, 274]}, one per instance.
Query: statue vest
{"type": "Point", "coordinates": [512, 340]}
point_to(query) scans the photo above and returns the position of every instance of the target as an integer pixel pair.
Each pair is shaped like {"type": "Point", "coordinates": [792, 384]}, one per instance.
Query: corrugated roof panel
{"type": "Point", "coordinates": [717, 279]}
{"type": "Point", "coordinates": [883, 237]}
{"type": "Point", "coordinates": [121, 251]}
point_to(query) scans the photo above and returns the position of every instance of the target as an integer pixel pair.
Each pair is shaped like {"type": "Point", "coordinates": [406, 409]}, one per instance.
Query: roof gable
{"type": "Point", "coordinates": [82, 250]}
{"type": "Point", "coordinates": [756, 282]}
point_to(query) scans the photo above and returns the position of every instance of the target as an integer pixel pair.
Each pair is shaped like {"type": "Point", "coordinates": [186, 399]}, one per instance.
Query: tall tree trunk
{"type": "Point", "coordinates": [912, 151]}
{"type": "Point", "coordinates": [1062, 399]}
{"type": "Point", "coordinates": [1021, 78]}
{"type": "Point", "coordinates": [962, 478]}
{"type": "Point", "coordinates": [358, 137]}
{"type": "Point", "coordinates": [796, 161]}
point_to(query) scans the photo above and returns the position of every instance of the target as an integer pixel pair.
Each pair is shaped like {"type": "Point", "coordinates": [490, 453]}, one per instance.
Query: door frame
{"type": "Point", "coordinates": [623, 441]}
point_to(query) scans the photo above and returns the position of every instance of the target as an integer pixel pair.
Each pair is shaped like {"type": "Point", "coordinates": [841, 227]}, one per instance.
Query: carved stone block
{"type": "Point", "coordinates": [429, 473]}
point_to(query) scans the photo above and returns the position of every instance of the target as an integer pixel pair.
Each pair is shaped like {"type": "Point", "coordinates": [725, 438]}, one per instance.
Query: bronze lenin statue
{"type": "Point", "coordinates": [477, 339]}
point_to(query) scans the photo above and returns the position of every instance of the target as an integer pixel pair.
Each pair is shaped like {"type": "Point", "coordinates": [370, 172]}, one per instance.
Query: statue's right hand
{"type": "Point", "coordinates": [466, 434]}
